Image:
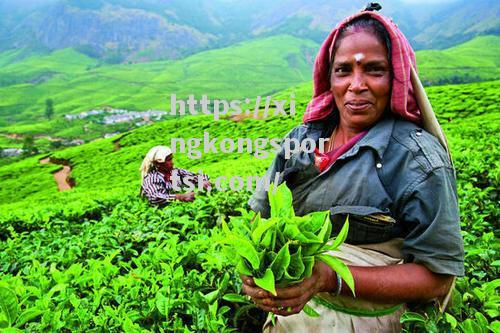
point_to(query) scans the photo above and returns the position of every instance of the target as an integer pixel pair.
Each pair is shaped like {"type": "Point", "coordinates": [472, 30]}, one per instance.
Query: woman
{"type": "Point", "coordinates": [393, 178]}
{"type": "Point", "coordinates": [160, 179]}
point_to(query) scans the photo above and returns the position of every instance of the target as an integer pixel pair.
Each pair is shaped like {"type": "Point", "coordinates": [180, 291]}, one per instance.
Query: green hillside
{"type": "Point", "coordinates": [77, 84]}
{"type": "Point", "coordinates": [453, 104]}
{"type": "Point", "coordinates": [38, 69]}
{"type": "Point", "coordinates": [97, 257]}
{"type": "Point", "coordinates": [475, 60]}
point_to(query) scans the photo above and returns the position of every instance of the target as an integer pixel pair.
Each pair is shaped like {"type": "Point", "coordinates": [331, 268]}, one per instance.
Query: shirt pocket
{"type": "Point", "coordinates": [367, 225]}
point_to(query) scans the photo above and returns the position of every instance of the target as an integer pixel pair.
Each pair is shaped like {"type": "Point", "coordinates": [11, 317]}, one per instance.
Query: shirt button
{"type": "Point", "coordinates": [379, 165]}
{"type": "Point", "coordinates": [419, 133]}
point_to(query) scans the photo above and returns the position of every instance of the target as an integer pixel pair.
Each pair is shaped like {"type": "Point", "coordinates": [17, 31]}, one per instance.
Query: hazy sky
{"type": "Point", "coordinates": [428, 1]}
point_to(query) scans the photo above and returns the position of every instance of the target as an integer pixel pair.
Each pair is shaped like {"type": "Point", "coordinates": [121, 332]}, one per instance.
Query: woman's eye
{"type": "Point", "coordinates": [341, 70]}
{"type": "Point", "coordinates": [377, 70]}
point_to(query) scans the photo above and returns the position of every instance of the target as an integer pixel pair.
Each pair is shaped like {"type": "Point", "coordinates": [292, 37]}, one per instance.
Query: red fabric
{"type": "Point", "coordinates": [324, 160]}
{"type": "Point", "coordinates": [403, 101]}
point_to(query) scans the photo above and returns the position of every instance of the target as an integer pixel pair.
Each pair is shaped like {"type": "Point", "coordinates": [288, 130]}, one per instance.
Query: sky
{"type": "Point", "coordinates": [428, 1]}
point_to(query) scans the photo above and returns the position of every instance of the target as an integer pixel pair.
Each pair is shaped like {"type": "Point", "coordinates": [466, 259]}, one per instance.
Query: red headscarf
{"type": "Point", "coordinates": [403, 100]}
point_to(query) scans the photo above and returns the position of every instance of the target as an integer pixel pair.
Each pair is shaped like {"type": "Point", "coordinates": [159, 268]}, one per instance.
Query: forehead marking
{"type": "Point", "coordinates": [359, 56]}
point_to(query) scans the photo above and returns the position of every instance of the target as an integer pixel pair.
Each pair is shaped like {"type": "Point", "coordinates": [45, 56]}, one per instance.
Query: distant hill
{"type": "Point", "coordinates": [459, 22]}
{"type": "Point", "coordinates": [77, 83]}
{"type": "Point", "coordinates": [475, 60]}
{"type": "Point", "coordinates": [121, 31]}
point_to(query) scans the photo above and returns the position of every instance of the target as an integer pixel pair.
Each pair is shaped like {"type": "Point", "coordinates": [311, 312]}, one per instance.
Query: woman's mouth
{"type": "Point", "coordinates": [358, 106]}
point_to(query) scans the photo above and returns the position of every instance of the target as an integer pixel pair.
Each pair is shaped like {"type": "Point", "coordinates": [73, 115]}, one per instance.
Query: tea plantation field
{"type": "Point", "coordinates": [97, 258]}
{"type": "Point", "coordinates": [77, 83]}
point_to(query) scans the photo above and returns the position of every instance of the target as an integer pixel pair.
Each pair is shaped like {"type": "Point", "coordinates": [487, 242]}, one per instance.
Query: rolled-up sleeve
{"type": "Point", "coordinates": [431, 217]}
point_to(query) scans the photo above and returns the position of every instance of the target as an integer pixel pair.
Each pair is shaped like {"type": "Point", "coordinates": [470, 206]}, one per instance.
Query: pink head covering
{"type": "Point", "coordinates": [403, 100]}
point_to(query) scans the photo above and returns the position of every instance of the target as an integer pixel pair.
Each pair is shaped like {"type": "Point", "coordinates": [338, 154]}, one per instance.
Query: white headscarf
{"type": "Point", "coordinates": [155, 154]}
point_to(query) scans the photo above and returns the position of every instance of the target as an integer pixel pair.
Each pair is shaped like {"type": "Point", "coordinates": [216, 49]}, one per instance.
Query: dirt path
{"type": "Point", "coordinates": [62, 177]}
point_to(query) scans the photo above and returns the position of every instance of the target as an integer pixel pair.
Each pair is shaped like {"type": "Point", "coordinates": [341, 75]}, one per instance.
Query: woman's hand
{"type": "Point", "coordinates": [185, 196]}
{"type": "Point", "coordinates": [207, 185]}
{"type": "Point", "coordinates": [291, 300]}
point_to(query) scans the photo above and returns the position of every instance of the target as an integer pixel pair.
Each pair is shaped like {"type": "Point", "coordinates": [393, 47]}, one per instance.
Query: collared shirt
{"type": "Point", "coordinates": [397, 181]}
{"type": "Point", "coordinates": [160, 190]}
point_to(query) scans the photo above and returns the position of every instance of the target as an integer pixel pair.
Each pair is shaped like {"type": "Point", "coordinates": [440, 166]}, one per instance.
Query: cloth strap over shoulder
{"type": "Point", "coordinates": [429, 119]}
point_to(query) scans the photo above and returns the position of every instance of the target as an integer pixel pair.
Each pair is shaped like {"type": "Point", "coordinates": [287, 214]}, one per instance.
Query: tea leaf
{"type": "Point", "coordinates": [315, 221]}
{"type": "Point", "coordinates": [263, 227]}
{"type": "Point", "coordinates": [211, 296]}
{"type": "Point", "coordinates": [28, 315]}
{"type": "Point", "coordinates": [308, 266]}
{"type": "Point", "coordinates": [242, 268]}
{"type": "Point", "coordinates": [162, 304]}
{"type": "Point", "coordinates": [245, 249]}
{"type": "Point", "coordinates": [412, 316]}
{"type": "Point", "coordinates": [235, 298]}
{"type": "Point", "coordinates": [296, 267]}
{"type": "Point", "coordinates": [267, 240]}
{"type": "Point", "coordinates": [281, 262]}
{"type": "Point", "coordinates": [326, 228]}
{"type": "Point", "coordinates": [341, 237]}
{"type": "Point", "coordinates": [310, 311]}
{"type": "Point", "coordinates": [267, 281]}
{"type": "Point", "coordinates": [340, 268]}
{"type": "Point", "coordinates": [8, 304]}
{"type": "Point", "coordinates": [281, 202]}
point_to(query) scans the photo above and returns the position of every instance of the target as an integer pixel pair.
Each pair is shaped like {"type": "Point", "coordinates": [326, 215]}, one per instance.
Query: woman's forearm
{"type": "Point", "coordinates": [397, 283]}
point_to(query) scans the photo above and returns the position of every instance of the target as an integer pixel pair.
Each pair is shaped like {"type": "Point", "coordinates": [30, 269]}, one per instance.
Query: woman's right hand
{"type": "Point", "coordinates": [185, 196]}
{"type": "Point", "coordinates": [259, 296]}
{"type": "Point", "coordinates": [291, 300]}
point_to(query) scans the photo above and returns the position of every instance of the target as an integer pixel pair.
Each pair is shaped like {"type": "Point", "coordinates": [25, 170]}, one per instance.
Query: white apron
{"type": "Point", "coordinates": [347, 314]}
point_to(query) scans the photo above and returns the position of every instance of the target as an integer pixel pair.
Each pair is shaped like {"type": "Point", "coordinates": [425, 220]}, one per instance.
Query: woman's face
{"type": "Point", "coordinates": [166, 166]}
{"type": "Point", "coordinates": [361, 79]}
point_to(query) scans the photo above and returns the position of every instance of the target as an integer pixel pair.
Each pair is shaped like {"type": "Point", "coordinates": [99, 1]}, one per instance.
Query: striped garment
{"type": "Point", "coordinates": [160, 191]}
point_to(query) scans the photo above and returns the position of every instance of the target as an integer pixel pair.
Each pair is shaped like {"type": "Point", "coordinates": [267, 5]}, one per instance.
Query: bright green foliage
{"type": "Point", "coordinates": [282, 250]}
{"type": "Point", "coordinates": [129, 266]}
{"type": "Point", "coordinates": [40, 226]}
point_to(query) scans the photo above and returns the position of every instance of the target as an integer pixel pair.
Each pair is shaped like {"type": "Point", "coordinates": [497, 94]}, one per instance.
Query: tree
{"type": "Point", "coordinates": [29, 145]}
{"type": "Point", "coordinates": [49, 108]}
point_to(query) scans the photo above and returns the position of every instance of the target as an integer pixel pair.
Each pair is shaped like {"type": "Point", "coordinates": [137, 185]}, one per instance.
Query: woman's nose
{"type": "Point", "coordinates": [358, 83]}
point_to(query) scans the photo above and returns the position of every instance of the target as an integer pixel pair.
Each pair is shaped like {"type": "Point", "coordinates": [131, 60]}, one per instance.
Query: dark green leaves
{"type": "Point", "coordinates": [281, 262]}
{"type": "Point", "coordinates": [282, 250]}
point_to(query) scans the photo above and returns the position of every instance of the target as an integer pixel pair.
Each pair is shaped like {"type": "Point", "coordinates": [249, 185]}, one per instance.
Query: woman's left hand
{"type": "Point", "coordinates": [291, 300]}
